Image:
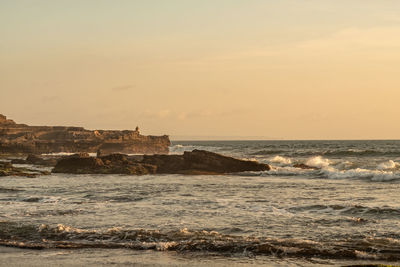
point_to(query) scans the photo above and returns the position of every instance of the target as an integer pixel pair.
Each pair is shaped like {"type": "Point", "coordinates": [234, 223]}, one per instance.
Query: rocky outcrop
{"type": "Point", "coordinates": [305, 167]}
{"type": "Point", "coordinates": [7, 169]}
{"type": "Point", "coordinates": [195, 162]}
{"type": "Point", "coordinates": [5, 121]}
{"type": "Point", "coordinates": [111, 164]}
{"type": "Point", "coordinates": [201, 161]}
{"type": "Point", "coordinates": [20, 138]}
{"type": "Point", "coordinates": [36, 160]}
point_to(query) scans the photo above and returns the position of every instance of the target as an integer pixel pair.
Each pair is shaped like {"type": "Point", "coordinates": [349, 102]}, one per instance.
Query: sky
{"type": "Point", "coordinates": [205, 69]}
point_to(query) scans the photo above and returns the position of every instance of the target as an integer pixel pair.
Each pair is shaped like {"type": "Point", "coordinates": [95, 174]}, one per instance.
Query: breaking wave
{"type": "Point", "coordinates": [64, 237]}
{"type": "Point", "coordinates": [373, 175]}
{"type": "Point", "coordinates": [388, 165]}
{"type": "Point", "coordinates": [325, 168]}
{"type": "Point", "coordinates": [318, 162]}
{"type": "Point", "coordinates": [332, 173]}
{"type": "Point", "coordinates": [365, 153]}
{"type": "Point", "coordinates": [282, 160]}
{"type": "Point", "coordinates": [286, 171]}
{"type": "Point", "coordinates": [331, 153]}
{"type": "Point", "coordinates": [354, 210]}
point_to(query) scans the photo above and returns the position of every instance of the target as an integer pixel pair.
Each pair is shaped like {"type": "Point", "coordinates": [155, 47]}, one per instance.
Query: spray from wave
{"type": "Point", "coordinates": [321, 167]}
{"type": "Point", "coordinates": [318, 162]}
{"type": "Point", "coordinates": [281, 160]}
{"type": "Point", "coordinates": [388, 165]}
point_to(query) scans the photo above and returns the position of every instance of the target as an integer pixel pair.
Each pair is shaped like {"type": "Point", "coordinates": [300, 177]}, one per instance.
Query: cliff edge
{"type": "Point", "coordinates": [21, 138]}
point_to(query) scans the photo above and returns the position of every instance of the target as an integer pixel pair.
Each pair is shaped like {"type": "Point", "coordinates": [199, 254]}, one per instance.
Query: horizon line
{"type": "Point", "coordinates": [283, 139]}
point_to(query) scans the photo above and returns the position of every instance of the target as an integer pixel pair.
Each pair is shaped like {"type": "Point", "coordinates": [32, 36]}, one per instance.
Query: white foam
{"type": "Point", "coordinates": [331, 172]}
{"type": "Point", "coordinates": [388, 165]}
{"type": "Point", "coordinates": [354, 173]}
{"type": "Point", "coordinates": [281, 160]}
{"type": "Point", "coordinates": [386, 176]}
{"type": "Point", "coordinates": [318, 162]}
{"type": "Point", "coordinates": [374, 175]}
{"type": "Point", "coordinates": [286, 171]}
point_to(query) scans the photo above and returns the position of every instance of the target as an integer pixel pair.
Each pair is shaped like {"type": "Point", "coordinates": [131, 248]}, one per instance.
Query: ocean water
{"type": "Point", "coordinates": [345, 212]}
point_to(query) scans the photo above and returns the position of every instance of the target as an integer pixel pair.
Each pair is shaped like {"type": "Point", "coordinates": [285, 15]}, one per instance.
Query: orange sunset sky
{"type": "Point", "coordinates": [225, 69]}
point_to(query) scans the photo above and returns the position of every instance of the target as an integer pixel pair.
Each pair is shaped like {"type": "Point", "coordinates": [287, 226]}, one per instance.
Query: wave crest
{"type": "Point", "coordinates": [390, 164]}
{"type": "Point", "coordinates": [359, 173]}
{"type": "Point", "coordinates": [281, 160]}
{"type": "Point", "coordinates": [62, 236]}
{"type": "Point", "coordinates": [318, 162]}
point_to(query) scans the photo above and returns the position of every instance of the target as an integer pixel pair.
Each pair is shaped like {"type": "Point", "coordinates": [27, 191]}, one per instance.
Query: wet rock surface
{"type": "Point", "coordinates": [201, 161]}
{"type": "Point", "coordinates": [36, 160]}
{"type": "Point", "coordinates": [195, 162]}
{"type": "Point", "coordinates": [111, 164]}
{"type": "Point", "coordinates": [7, 169]}
{"type": "Point", "coordinates": [305, 167]}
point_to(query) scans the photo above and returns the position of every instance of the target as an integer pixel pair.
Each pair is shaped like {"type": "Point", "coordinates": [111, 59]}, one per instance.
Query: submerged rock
{"type": "Point", "coordinates": [195, 162]}
{"type": "Point", "coordinates": [305, 167]}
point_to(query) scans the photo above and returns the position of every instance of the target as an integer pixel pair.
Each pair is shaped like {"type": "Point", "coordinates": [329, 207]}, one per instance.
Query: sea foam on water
{"type": "Point", "coordinates": [318, 162]}
{"type": "Point", "coordinates": [282, 160]}
{"type": "Point", "coordinates": [388, 165]}
{"type": "Point", "coordinates": [345, 207]}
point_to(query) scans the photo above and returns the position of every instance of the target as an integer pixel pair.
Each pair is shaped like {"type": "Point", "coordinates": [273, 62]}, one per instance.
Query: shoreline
{"type": "Point", "coordinates": [124, 257]}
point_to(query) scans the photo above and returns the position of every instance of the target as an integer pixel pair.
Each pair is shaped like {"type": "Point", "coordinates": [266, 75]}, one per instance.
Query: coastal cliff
{"type": "Point", "coordinates": [21, 138]}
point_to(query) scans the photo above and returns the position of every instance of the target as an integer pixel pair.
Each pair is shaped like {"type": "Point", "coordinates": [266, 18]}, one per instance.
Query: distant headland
{"type": "Point", "coordinates": [25, 139]}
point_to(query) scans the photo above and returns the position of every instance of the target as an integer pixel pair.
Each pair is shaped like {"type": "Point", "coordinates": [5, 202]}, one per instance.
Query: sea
{"type": "Point", "coordinates": [345, 211]}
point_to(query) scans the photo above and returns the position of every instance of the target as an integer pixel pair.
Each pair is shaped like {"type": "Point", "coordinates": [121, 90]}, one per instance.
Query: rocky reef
{"type": "Point", "coordinates": [23, 139]}
{"type": "Point", "coordinates": [36, 160]}
{"type": "Point", "coordinates": [195, 162]}
{"type": "Point", "coordinates": [304, 166]}
{"type": "Point", "coordinates": [7, 169]}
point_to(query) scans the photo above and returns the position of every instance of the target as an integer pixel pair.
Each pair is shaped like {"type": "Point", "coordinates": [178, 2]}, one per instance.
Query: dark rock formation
{"type": "Point", "coordinates": [201, 161]}
{"type": "Point", "coordinates": [36, 160]}
{"type": "Point", "coordinates": [305, 167]}
{"type": "Point", "coordinates": [21, 138]}
{"type": "Point", "coordinates": [195, 162]}
{"type": "Point", "coordinates": [7, 169]}
{"type": "Point", "coordinates": [111, 164]}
